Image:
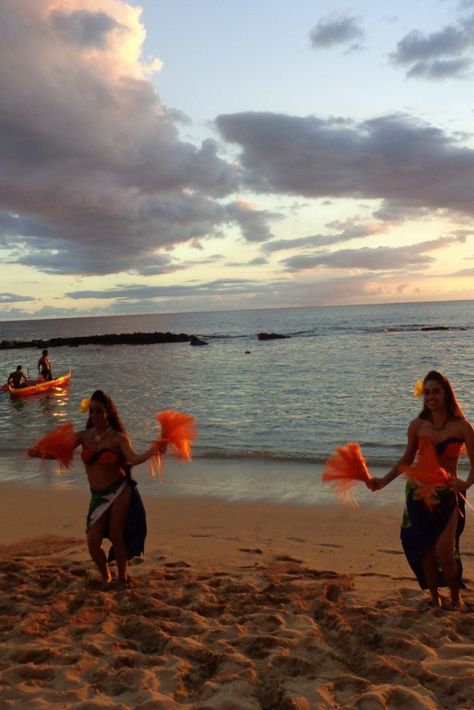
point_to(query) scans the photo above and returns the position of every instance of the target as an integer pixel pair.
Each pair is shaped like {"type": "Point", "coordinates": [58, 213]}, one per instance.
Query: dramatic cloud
{"type": "Point", "coordinates": [334, 31]}
{"type": "Point", "coordinates": [94, 177]}
{"type": "Point", "coordinates": [394, 158]}
{"type": "Point", "coordinates": [438, 55]}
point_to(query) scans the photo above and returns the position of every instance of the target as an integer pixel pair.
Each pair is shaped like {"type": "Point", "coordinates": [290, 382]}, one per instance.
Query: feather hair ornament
{"type": "Point", "coordinates": [179, 430]}
{"type": "Point", "coordinates": [344, 468]}
{"type": "Point", "coordinates": [58, 444]}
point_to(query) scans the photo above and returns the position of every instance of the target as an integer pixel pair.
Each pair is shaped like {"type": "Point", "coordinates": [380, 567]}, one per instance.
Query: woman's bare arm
{"type": "Point", "coordinates": [375, 484]}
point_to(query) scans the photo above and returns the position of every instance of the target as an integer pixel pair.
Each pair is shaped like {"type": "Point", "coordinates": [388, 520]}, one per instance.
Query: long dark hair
{"type": "Point", "coordinates": [452, 405]}
{"type": "Point", "coordinates": [113, 418]}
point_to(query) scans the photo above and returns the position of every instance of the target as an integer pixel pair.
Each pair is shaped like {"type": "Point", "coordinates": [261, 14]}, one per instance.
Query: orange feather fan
{"type": "Point", "coordinates": [427, 473]}
{"type": "Point", "coordinates": [58, 444]}
{"type": "Point", "coordinates": [179, 430]}
{"type": "Point", "coordinates": [344, 468]}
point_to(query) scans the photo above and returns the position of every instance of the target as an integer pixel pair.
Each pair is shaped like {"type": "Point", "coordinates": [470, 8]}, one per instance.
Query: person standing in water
{"type": "Point", "coordinates": [44, 366]}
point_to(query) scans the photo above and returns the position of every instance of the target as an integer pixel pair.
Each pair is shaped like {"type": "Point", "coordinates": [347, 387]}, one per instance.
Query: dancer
{"type": "Point", "coordinates": [115, 511]}
{"type": "Point", "coordinates": [430, 533]}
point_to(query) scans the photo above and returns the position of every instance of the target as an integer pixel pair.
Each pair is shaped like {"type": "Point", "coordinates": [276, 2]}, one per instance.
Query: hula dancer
{"type": "Point", "coordinates": [434, 516]}
{"type": "Point", "coordinates": [116, 510]}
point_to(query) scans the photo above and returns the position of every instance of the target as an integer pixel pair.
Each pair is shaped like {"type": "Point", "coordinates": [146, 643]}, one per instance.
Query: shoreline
{"type": "Point", "coordinates": [245, 480]}
{"type": "Point", "coordinates": [236, 606]}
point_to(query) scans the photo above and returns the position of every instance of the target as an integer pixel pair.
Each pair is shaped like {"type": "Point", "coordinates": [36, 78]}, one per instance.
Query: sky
{"type": "Point", "coordinates": [161, 156]}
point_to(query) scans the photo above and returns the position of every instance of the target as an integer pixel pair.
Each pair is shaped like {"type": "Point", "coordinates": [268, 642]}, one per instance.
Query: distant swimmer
{"type": "Point", "coordinates": [17, 378]}
{"type": "Point", "coordinates": [44, 366]}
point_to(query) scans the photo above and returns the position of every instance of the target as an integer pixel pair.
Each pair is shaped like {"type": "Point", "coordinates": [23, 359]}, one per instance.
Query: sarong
{"type": "Point", "coordinates": [421, 528]}
{"type": "Point", "coordinates": [102, 500]}
{"type": "Point", "coordinates": [135, 527]}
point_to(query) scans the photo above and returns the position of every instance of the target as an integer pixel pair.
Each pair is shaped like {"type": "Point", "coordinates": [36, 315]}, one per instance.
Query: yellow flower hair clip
{"type": "Point", "coordinates": [419, 388]}
{"type": "Point", "coordinates": [84, 405]}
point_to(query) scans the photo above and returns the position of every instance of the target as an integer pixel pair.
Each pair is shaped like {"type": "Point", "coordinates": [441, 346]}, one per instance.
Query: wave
{"type": "Point", "coordinates": [322, 331]}
{"type": "Point", "coordinates": [318, 459]}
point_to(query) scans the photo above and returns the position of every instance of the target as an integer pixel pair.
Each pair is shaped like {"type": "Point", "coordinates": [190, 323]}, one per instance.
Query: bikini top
{"type": "Point", "coordinates": [450, 447]}
{"type": "Point", "coordinates": [103, 456]}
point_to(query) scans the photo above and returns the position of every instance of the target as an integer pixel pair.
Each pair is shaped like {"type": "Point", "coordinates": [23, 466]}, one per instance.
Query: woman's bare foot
{"type": "Point", "coordinates": [457, 605]}
{"type": "Point", "coordinates": [436, 601]}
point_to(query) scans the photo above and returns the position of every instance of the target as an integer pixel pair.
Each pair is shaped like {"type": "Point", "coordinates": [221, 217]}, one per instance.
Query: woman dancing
{"type": "Point", "coordinates": [115, 511]}
{"type": "Point", "coordinates": [430, 535]}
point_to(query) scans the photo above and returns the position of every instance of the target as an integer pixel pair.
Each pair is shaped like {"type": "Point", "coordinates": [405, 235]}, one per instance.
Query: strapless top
{"type": "Point", "coordinates": [449, 447]}
{"type": "Point", "coordinates": [103, 456]}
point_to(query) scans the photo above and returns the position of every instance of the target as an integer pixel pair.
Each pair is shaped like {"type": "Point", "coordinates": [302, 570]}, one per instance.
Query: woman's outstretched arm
{"type": "Point", "coordinates": [376, 484]}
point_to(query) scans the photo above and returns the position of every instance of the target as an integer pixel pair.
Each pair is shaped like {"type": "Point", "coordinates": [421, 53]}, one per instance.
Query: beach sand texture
{"type": "Point", "coordinates": [236, 607]}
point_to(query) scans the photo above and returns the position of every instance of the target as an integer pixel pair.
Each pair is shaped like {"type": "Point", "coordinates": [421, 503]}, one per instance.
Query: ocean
{"type": "Point", "coordinates": [278, 406]}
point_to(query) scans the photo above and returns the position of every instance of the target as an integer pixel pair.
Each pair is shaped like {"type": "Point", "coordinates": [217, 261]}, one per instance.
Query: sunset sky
{"type": "Point", "coordinates": [192, 155]}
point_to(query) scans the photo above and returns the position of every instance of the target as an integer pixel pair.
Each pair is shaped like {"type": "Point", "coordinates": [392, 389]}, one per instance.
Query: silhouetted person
{"type": "Point", "coordinates": [17, 378]}
{"type": "Point", "coordinates": [44, 366]}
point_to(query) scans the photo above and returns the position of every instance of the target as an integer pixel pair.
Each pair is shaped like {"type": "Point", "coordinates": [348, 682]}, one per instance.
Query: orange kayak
{"type": "Point", "coordinates": [40, 387]}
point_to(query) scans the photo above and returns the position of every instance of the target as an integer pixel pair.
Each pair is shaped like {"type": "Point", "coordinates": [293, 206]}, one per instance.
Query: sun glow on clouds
{"type": "Point", "coordinates": [125, 36]}
{"type": "Point", "coordinates": [105, 205]}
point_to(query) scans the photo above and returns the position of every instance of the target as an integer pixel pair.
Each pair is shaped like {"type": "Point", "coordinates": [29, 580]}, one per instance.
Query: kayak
{"type": "Point", "coordinates": [40, 387]}
{"type": "Point", "coordinates": [29, 383]}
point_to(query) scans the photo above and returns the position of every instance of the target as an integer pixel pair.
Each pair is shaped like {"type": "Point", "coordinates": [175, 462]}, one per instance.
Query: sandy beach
{"type": "Point", "coordinates": [236, 606]}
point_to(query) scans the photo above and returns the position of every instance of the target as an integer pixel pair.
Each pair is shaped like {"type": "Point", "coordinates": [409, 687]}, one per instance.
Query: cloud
{"type": "Point", "coordinates": [252, 221]}
{"type": "Point", "coordinates": [334, 31]}
{"type": "Point", "coordinates": [396, 159]}
{"type": "Point", "coordinates": [349, 232]}
{"type": "Point", "coordinates": [94, 177]}
{"type": "Point", "coordinates": [373, 259]}
{"type": "Point", "coordinates": [137, 292]}
{"type": "Point", "coordinates": [84, 29]}
{"type": "Point", "coordinates": [7, 297]}
{"type": "Point", "coordinates": [440, 69]}
{"type": "Point", "coordinates": [439, 55]}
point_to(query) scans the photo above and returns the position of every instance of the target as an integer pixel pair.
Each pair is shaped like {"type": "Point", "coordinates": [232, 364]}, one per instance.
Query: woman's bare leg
{"type": "Point", "coordinates": [429, 565]}
{"type": "Point", "coordinates": [117, 520]}
{"type": "Point", "coordinates": [95, 535]}
{"type": "Point", "coordinates": [445, 548]}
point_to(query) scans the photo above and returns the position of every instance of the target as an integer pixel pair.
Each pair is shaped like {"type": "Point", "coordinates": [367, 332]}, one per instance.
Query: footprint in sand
{"type": "Point", "coordinates": [173, 565]}
{"type": "Point", "coordinates": [287, 558]}
{"type": "Point", "coordinates": [328, 544]}
{"type": "Point", "coordinates": [253, 550]}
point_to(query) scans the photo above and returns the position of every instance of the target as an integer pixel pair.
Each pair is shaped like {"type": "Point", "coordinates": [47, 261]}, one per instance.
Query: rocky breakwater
{"type": "Point", "coordinates": [108, 339]}
{"type": "Point", "coordinates": [271, 336]}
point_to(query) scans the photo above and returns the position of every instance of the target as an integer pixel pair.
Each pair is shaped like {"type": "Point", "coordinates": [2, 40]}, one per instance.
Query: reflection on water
{"type": "Point", "coordinates": [345, 374]}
